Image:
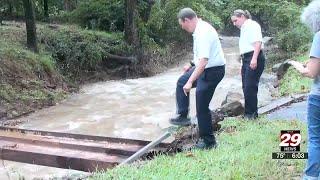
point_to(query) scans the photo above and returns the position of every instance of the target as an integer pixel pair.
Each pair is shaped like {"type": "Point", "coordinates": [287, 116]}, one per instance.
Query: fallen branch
{"type": "Point", "coordinates": [121, 59]}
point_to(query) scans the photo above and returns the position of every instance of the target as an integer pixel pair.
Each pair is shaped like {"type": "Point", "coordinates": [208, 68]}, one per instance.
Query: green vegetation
{"type": "Point", "coordinates": [294, 82]}
{"type": "Point", "coordinates": [290, 34]}
{"type": "Point", "coordinates": [77, 51]}
{"type": "Point", "coordinates": [100, 14]}
{"type": "Point", "coordinates": [244, 152]}
{"type": "Point", "coordinates": [28, 80]}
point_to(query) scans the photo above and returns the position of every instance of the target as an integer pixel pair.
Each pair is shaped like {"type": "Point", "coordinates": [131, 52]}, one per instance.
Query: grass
{"type": "Point", "coordinates": [293, 82]}
{"type": "Point", "coordinates": [25, 74]}
{"type": "Point", "coordinates": [244, 152]}
{"type": "Point", "coordinates": [26, 67]}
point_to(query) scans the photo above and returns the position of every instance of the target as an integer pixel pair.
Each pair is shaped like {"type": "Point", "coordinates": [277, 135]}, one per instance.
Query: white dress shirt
{"type": "Point", "coordinates": [250, 32]}
{"type": "Point", "coordinates": [206, 44]}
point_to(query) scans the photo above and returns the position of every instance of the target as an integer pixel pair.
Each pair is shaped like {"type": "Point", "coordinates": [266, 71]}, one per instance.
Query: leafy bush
{"type": "Point", "coordinates": [160, 27]}
{"type": "Point", "coordinates": [294, 82]}
{"type": "Point", "coordinates": [206, 10]}
{"type": "Point", "coordinates": [280, 19]}
{"type": "Point", "coordinates": [47, 63]}
{"type": "Point", "coordinates": [284, 16]}
{"type": "Point", "coordinates": [25, 61]}
{"type": "Point", "coordinates": [100, 14]}
{"type": "Point", "coordinates": [291, 35]}
{"type": "Point", "coordinates": [78, 52]}
{"type": "Point", "coordinates": [295, 39]}
{"type": "Point", "coordinates": [163, 23]}
{"type": "Point", "coordinates": [261, 11]}
{"type": "Point", "coordinates": [272, 15]}
{"type": "Point", "coordinates": [26, 76]}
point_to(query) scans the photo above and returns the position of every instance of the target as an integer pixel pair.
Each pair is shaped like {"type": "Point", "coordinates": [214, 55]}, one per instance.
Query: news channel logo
{"type": "Point", "coordinates": [290, 141]}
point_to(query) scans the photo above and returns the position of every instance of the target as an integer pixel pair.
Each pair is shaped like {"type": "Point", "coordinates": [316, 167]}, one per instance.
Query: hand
{"type": "Point", "coordinates": [291, 62]}
{"type": "Point", "coordinates": [295, 63]}
{"type": "Point", "coordinates": [298, 66]}
{"type": "Point", "coordinates": [253, 64]}
{"type": "Point", "coordinates": [186, 88]}
{"type": "Point", "coordinates": [186, 68]}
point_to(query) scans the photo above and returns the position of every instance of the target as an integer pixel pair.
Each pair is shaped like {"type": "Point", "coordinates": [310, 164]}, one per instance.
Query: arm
{"type": "Point", "coordinates": [195, 75]}
{"type": "Point", "coordinates": [256, 51]}
{"type": "Point", "coordinates": [256, 39]}
{"type": "Point", "coordinates": [311, 70]}
{"type": "Point", "coordinates": [188, 66]}
{"type": "Point", "coordinates": [312, 67]}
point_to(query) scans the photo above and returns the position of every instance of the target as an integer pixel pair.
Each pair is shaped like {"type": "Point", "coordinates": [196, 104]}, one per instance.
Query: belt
{"type": "Point", "coordinates": [216, 67]}
{"type": "Point", "coordinates": [248, 54]}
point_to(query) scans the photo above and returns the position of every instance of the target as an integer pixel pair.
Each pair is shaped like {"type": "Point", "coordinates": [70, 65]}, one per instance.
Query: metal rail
{"type": "Point", "coordinates": [142, 151]}
{"type": "Point", "coordinates": [64, 150]}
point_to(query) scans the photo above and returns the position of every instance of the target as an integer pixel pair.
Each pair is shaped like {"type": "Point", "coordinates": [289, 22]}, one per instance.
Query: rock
{"type": "Point", "coordinates": [267, 40]}
{"type": "Point", "coordinates": [234, 108]}
{"type": "Point", "coordinates": [11, 122]}
{"type": "Point", "coordinates": [268, 86]}
{"type": "Point", "coordinates": [13, 114]}
{"type": "Point", "coordinates": [231, 97]}
{"type": "Point", "coordinates": [3, 113]}
{"type": "Point", "coordinates": [276, 67]}
{"type": "Point", "coordinates": [53, 26]}
{"type": "Point", "coordinates": [193, 131]}
{"type": "Point", "coordinates": [267, 78]}
{"type": "Point", "coordinates": [232, 105]}
{"type": "Point", "coordinates": [281, 68]}
{"type": "Point", "coordinates": [185, 137]}
{"type": "Point", "coordinates": [188, 132]}
{"type": "Point", "coordinates": [217, 116]}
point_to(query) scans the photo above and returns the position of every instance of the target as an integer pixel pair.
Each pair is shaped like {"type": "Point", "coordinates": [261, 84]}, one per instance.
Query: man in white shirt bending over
{"type": "Point", "coordinates": [205, 72]}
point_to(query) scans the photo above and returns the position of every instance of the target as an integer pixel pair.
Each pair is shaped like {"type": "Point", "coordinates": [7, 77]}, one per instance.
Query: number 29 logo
{"type": "Point", "coordinates": [290, 138]}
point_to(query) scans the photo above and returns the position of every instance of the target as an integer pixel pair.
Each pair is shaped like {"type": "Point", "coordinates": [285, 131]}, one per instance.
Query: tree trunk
{"type": "Point", "coordinates": [10, 9]}
{"type": "Point", "coordinates": [66, 5]}
{"type": "Point", "coordinates": [2, 14]}
{"type": "Point", "coordinates": [69, 5]}
{"type": "Point", "coordinates": [131, 29]}
{"type": "Point", "coordinates": [147, 11]}
{"type": "Point", "coordinates": [46, 10]}
{"type": "Point", "coordinates": [30, 25]}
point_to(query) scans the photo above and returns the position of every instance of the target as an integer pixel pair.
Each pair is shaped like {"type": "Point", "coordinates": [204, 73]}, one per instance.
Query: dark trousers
{"type": "Point", "coordinates": [205, 87]}
{"type": "Point", "coordinates": [250, 83]}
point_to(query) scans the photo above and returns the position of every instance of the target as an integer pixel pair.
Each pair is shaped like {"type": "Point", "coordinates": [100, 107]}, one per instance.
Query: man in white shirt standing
{"type": "Point", "coordinates": [205, 72]}
{"type": "Point", "coordinates": [253, 60]}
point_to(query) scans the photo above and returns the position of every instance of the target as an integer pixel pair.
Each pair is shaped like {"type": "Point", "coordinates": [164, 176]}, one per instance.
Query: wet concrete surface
{"type": "Point", "coordinates": [10, 170]}
{"type": "Point", "coordinates": [295, 111]}
{"type": "Point", "coordinates": [132, 108]}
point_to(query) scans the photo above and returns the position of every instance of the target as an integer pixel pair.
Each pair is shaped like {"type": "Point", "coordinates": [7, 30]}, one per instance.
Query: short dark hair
{"type": "Point", "coordinates": [186, 13]}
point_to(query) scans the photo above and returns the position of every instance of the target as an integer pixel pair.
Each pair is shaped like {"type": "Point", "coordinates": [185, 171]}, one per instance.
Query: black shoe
{"type": "Point", "coordinates": [250, 116]}
{"type": "Point", "coordinates": [180, 121]}
{"type": "Point", "coordinates": [202, 144]}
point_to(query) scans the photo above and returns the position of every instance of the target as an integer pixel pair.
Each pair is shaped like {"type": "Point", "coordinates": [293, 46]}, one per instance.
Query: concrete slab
{"type": "Point", "coordinates": [296, 111]}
